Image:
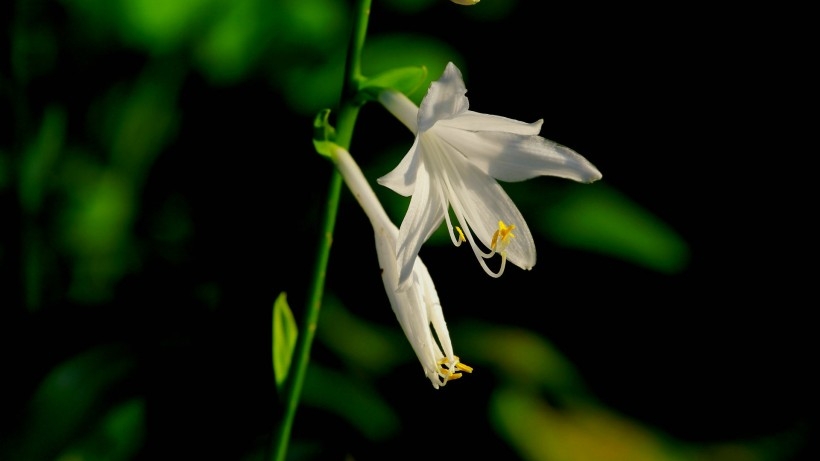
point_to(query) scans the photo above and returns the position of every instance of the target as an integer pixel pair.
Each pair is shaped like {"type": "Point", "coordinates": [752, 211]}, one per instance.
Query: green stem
{"type": "Point", "coordinates": [345, 123]}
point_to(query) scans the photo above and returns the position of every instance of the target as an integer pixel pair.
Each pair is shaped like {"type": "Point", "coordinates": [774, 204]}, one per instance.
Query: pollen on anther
{"type": "Point", "coordinates": [449, 372]}
{"type": "Point", "coordinates": [460, 235]}
{"type": "Point", "coordinates": [504, 234]}
{"type": "Point", "coordinates": [464, 368]}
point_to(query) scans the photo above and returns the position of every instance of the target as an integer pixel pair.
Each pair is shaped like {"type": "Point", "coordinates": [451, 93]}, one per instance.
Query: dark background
{"type": "Point", "coordinates": [696, 115]}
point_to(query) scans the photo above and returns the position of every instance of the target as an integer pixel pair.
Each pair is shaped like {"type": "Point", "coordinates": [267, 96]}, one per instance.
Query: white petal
{"type": "Point", "coordinates": [416, 307]}
{"type": "Point", "coordinates": [408, 305]}
{"type": "Point", "coordinates": [481, 201]}
{"type": "Point", "coordinates": [476, 121]}
{"type": "Point", "coordinates": [436, 316]}
{"type": "Point", "coordinates": [424, 216]}
{"type": "Point", "coordinates": [402, 179]}
{"type": "Point", "coordinates": [445, 99]}
{"type": "Point", "coordinates": [512, 157]}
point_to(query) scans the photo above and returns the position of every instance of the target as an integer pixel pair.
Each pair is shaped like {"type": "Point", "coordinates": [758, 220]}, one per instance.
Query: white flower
{"type": "Point", "coordinates": [454, 163]}
{"type": "Point", "coordinates": [416, 305]}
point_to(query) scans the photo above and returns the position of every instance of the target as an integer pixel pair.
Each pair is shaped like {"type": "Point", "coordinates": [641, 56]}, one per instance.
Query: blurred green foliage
{"type": "Point", "coordinates": [77, 411]}
{"type": "Point", "coordinates": [74, 174]}
{"type": "Point", "coordinates": [601, 219]}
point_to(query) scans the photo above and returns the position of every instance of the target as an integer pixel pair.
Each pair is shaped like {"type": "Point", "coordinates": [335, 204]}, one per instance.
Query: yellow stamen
{"type": "Point", "coordinates": [460, 234]}
{"type": "Point", "coordinates": [448, 372]}
{"type": "Point", "coordinates": [463, 367]}
{"type": "Point", "coordinates": [505, 232]}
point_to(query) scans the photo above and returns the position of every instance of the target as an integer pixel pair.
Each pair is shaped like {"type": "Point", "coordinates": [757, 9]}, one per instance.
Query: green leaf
{"type": "Point", "coordinates": [601, 219]}
{"type": "Point", "coordinates": [539, 431]}
{"type": "Point", "coordinates": [361, 344]}
{"type": "Point", "coordinates": [39, 159]}
{"type": "Point", "coordinates": [395, 51]}
{"type": "Point", "coordinates": [404, 79]}
{"type": "Point", "coordinates": [522, 357]}
{"type": "Point", "coordinates": [235, 40]}
{"type": "Point", "coordinates": [71, 398]}
{"type": "Point", "coordinates": [284, 339]}
{"type": "Point", "coordinates": [116, 436]}
{"type": "Point", "coordinates": [162, 27]}
{"type": "Point", "coordinates": [323, 133]}
{"type": "Point", "coordinates": [359, 403]}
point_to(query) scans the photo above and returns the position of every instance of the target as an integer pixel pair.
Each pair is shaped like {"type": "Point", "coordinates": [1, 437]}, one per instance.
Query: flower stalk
{"type": "Point", "coordinates": [346, 121]}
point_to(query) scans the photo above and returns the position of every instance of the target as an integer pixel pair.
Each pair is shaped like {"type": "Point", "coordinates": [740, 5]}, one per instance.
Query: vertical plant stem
{"type": "Point", "coordinates": [345, 123]}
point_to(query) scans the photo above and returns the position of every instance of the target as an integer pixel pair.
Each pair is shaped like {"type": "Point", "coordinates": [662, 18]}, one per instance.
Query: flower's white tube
{"type": "Point", "coordinates": [416, 305]}
{"type": "Point", "coordinates": [402, 108]}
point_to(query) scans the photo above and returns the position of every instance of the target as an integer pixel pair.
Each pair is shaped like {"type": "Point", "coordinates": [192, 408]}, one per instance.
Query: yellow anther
{"type": "Point", "coordinates": [463, 367]}
{"type": "Point", "coordinates": [460, 234]}
{"type": "Point", "coordinates": [447, 370]}
{"type": "Point", "coordinates": [505, 234]}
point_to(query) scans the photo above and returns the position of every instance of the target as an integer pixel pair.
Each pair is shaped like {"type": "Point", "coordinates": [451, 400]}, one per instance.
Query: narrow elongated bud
{"type": "Point", "coordinates": [417, 306]}
{"type": "Point", "coordinates": [465, 2]}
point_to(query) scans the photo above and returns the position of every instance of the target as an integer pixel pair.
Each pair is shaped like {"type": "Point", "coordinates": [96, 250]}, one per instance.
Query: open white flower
{"type": "Point", "coordinates": [454, 163]}
{"type": "Point", "coordinates": [417, 305]}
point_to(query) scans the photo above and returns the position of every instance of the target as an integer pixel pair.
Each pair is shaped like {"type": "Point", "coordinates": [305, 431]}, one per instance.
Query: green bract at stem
{"type": "Point", "coordinates": [346, 121]}
{"type": "Point", "coordinates": [404, 80]}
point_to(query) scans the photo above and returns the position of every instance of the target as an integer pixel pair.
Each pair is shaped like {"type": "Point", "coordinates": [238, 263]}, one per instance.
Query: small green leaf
{"type": "Point", "coordinates": [323, 133]}
{"type": "Point", "coordinates": [284, 339]}
{"type": "Point", "coordinates": [404, 79]}
{"type": "Point", "coordinates": [395, 51]}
